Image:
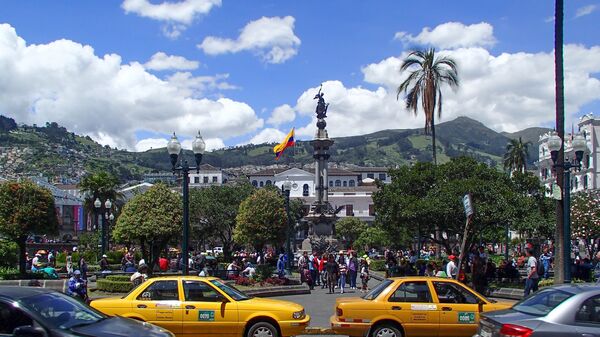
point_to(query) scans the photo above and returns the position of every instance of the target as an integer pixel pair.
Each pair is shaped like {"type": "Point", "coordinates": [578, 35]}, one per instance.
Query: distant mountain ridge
{"type": "Point", "coordinates": [53, 151]}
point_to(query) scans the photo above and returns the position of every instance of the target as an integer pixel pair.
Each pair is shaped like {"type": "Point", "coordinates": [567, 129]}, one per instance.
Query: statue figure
{"type": "Point", "coordinates": [321, 105]}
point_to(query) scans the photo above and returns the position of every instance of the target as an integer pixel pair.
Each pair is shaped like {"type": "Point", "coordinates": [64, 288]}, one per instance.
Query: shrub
{"type": "Point", "coordinates": [377, 265]}
{"type": "Point", "coordinates": [244, 281]}
{"type": "Point", "coordinates": [115, 257]}
{"type": "Point", "coordinates": [112, 286]}
{"type": "Point", "coordinates": [264, 271]}
{"type": "Point", "coordinates": [121, 278]}
{"type": "Point", "coordinates": [89, 257]}
{"type": "Point", "coordinates": [9, 253]}
{"type": "Point", "coordinates": [13, 274]}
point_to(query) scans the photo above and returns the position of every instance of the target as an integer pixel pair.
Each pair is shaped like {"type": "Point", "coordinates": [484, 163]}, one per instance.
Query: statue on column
{"type": "Point", "coordinates": [321, 105]}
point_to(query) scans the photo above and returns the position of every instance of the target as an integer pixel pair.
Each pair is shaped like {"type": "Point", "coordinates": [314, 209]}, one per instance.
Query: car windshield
{"type": "Point", "coordinates": [230, 290]}
{"type": "Point", "coordinates": [542, 303]}
{"type": "Point", "coordinates": [371, 295]}
{"type": "Point", "coordinates": [60, 311]}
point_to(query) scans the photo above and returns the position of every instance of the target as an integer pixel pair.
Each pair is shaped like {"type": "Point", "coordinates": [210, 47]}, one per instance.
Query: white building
{"type": "Point", "coordinates": [207, 176]}
{"type": "Point", "coordinates": [588, 177]}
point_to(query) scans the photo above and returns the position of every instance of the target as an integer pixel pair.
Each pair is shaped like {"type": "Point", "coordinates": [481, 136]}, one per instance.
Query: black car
{"type": "Point", "coordinates": [39, 312]}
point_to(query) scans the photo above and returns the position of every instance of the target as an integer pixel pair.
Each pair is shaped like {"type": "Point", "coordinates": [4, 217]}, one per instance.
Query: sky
{"type": "Point", "coordinates": [129, 73]}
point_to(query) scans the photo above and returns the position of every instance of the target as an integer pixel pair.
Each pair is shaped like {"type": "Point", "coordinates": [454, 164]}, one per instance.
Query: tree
{"type": "Point", "coordinates": [151, 219]}
{"type": "Point", "coordinates": [26, 208]}
{"type": "Point", "coordinates": [213, 211]}
{"type": "Point", "coordinates": [585, 218]}
{"type": "Point", "coordinates": [349, 229]}
{"type": "Point", "coordinates": [425, 84]}
{"type": "Point", "coordinates": [102, 185]}
{"type": "Point", "coordinates": [515, 158]}
{"type": "Point", "coordinates": [261, 220]}
{"type": "Point", "coordinates": [372, 237]}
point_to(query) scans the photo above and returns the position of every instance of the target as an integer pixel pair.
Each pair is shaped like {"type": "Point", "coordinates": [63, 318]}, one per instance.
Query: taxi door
{"type": "Point", "coordinates": [459, 309]}
{"type": "Point", "coordinates": [207, 311]}
{"type": "Point", "coordinates": [412, 304]}
{"type": "Point", "coordinates": [159, 304]}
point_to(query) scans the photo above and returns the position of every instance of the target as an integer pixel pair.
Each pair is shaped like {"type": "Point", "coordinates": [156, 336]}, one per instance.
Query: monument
{"type": "Point", "coordinates": [322, 215]}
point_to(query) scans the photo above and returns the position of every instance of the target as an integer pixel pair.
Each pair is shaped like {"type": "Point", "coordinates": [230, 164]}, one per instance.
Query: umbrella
{"type": "Point", "coordinates": [41, 252]}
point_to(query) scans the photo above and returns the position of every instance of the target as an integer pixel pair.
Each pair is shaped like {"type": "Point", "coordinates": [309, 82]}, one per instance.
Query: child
{"type": "Point", "coordinates": [364, 275]}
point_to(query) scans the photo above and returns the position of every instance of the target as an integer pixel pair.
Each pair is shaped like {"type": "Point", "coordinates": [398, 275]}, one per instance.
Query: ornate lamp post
{"type": "Point", "coordinates": [97, 205]}
{"type": "Point", "coordinates": [108, 217]}
{"type": "Point", "coordinates": [555, 143]}
{"type": "Point", "coordinates": [285, 188]}
{"type": "Point", "coordinates": [174, 149]}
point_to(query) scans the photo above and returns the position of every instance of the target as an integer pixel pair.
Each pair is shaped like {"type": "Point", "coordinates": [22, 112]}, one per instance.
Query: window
{"type": "Point", "coordinates": [371, 210]}
{"type": "Point", "coordinates": [371, 175]}
{"type": "Point", "coordinates": [351, 183]}
{"type": "Point", "coordinates": [585, 181]}
{"type": "Point", "coordinates": [416, 292]}
{"type": "Point", "coordinates": [268, 183]}
{"type": "Point", "coordinates": [305, 190]}
{"type": "Point", "coordinates": [205, 180]}
{"type": "Point", "coordinates": [349, 210]}
{"type": "Point", "coordinates": [374, 293]}
{"type": "Point", "coordinates": [261, 184]}
{"type": "Point", "coordinates": [196, 291]}
{"type": "Point", "coordinates": [542, 302]}
{"type": "Point", "coordinates": [196, 180]}
{"type": "Point", "coordinates": [215, 179]}
{"type": "Point", "coordinates": [331, 183]}
{"type": "Point", "coordinates": [11, 318]}
{"type": "Point", "coordinates": [382, 176]}
{"type": "Point", "coordinates": [589, 311]}
{"type": "Point", "coordinates": [338, 183]}
{"type": "Point", "coordinates": [160, 291]}
{"type": "Point", "coordinates": [345, 183]}
{"type": "Point", "coordinates": [254, 183]}
{"type": "Point", "coordinates": [452, 293]}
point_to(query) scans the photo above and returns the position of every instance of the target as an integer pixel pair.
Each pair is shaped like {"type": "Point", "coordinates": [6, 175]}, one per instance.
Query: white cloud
{"type": "Point", "coordinates": [66, 82]}
{"type": "Point", "coordinates": [267, 135]}
{"type": "Point", "coordinates": [196, 86]}
{"type": "Point", "coordinates": [452, 35]}
{"type": "Point", "coordinates": [176, 15]}
{"type": "Point", "coordinates": [282, 114]}
{"type": "Point", "coordinates": [162, 61]}
{"type": "Point", "coordinates": [150, 143]}
{"type": "Point", "coordinates": [211, 144]}
{"type": "Point", "coordinates": [273, 39]}
{"type": "Point", "coordinates": [506, 92]}
{"type": "Point", "coordinates": [586, 10]}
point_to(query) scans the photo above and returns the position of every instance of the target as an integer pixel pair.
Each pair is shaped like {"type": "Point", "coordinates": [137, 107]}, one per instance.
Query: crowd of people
{"type": "Point", "coordinates": [331, 272]}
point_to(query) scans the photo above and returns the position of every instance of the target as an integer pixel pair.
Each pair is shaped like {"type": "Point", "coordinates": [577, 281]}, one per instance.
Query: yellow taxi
{"type": "Point", "coordinates": [413, 306]}
{"type": "Point", "coordinates": [206, 306]}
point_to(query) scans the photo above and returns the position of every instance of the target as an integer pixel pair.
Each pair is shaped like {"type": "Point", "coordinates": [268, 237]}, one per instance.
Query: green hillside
{"type": "Point", "coordinates": [53, 151]}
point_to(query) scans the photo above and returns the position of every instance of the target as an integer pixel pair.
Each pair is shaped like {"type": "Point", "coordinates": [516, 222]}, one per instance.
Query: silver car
{"type": "Point", "coordinates": [563, 310]}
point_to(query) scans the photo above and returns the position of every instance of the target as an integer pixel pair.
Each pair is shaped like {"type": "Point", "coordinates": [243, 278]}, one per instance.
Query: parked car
{"type": "Point", "coordinates": [192, 305]}
{"type": "Point", "coordinates": [39, 312]}
{"type": "Point", "coordinates": [558, 311]}
{"type": "Point", "coordinates": [413, 306]}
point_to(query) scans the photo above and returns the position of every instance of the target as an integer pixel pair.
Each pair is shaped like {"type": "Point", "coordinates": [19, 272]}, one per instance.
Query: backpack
{"type": "Point", "coordinates": [539, 267]}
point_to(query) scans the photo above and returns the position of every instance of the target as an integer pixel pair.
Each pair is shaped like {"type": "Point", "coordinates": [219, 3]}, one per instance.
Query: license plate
{"type": "Point", "coordinates": [485, 333]}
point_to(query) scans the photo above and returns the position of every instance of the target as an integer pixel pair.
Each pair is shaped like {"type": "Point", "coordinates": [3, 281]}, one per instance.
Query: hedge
{"type": "Point", "coordinates": [112, 286]}
{"type": "Point", "coordinates": [121, 278]}
{"type": "Point", "coordinates": [13, 274]}
{"type": "Point", "coordinates": [377, 265]}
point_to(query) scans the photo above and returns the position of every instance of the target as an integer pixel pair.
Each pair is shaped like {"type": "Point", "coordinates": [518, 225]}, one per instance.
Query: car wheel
{"type": "Point", "coordinates": [262, 329]}
{"type": "Point", "coordinates": [386, 330]}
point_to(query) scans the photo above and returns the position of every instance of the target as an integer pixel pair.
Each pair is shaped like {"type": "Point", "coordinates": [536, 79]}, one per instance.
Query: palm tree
{"type": "Point", "coordinates": [515, 158]}
{"type": "Point", "coordinates": [425, 84]}
{"type": "Point", "coordinates": [102, 185]}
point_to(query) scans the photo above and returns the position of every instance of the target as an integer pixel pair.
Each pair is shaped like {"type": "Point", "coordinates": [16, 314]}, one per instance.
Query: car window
{"type": "Point", "coordinates": [60, 311]}
{"type": "Point", "coordinates": [541, 303]}
{"type": "Point", "coordinates": [453, 293]}
{"type": "Point", "coordinates": [417, 292]}
{"type": "Point", "coordinates": [589, 312]}
{"type": "Point", "coordinates": [11, 318]}
{"type": "Point", "coordinates": [160, 291]}
{"type": "Point", "coordinates": [197, 291]}
{"type": "Point", "coordinates": [371, 295]}
{"type": "Point", "coordinates": [230, 290]}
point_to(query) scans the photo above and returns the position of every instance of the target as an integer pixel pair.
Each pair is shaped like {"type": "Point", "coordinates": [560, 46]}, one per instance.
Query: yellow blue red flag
{"type": "Point", "coordinates": [287, 142]}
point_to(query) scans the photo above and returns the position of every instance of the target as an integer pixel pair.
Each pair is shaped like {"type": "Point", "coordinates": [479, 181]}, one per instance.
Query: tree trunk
{"type": "Point", "coordinates": [22, 259]}
{"type": "Point", "coordinates": [559, 276]}
{"type": "Point", "coordinates": [433, 138]}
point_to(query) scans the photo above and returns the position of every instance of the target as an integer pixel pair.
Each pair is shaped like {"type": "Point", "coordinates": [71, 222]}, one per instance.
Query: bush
{"type": "Point", "coordinates": [13, 274]}
{"type": "Point", "coordinates": [112, 286]}
{"type": "Point", "coordinates": [9, 254]}
{"type": "Point", "coordinates": [377, 265]}
{"type": "Point", "coordinates": [121, 278]}
{"type": "Point", "coordinates": [89, 257]}
{"type": "Point", "coordinates": [115, 257]}
{"type": "Point", "coordinates": [264, 271]}
{"type": "Point", "coordinates": [243, 281]}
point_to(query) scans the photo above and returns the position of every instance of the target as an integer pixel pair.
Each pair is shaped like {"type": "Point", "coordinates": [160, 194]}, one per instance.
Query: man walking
{"type": "Point", "coordinates": [451, 268]}
{"type": "Point", "coordinates": [531, 283]}
{"type": "Point", "coordinates": [545, 260]}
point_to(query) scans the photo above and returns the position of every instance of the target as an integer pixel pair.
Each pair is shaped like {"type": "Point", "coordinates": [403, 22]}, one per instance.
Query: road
{"type": "Point", "coordinates": [320, 305]}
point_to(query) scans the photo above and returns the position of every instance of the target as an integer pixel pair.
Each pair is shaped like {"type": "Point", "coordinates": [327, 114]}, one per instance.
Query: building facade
{"type": "Point", "coordinates": [588, 177]}
{"type": "Point", "coordinates": [207, 176]}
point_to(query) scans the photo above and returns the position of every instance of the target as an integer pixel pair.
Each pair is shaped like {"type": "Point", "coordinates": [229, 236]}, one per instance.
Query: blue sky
{"type": "Point", "coordinates": [246, 71]}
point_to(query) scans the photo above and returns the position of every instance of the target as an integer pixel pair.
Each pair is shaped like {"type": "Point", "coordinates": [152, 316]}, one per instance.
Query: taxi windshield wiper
{"type": "Point", "coordinates": [84, 323]}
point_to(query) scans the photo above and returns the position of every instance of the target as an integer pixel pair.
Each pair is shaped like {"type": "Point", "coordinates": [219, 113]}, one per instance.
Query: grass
{"type": "Point", "coordinates": [420, 142]}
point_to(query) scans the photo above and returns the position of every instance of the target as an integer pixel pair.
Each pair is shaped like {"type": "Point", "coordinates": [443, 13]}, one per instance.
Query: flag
{"type": "Point", "coordinates": [287, 142]}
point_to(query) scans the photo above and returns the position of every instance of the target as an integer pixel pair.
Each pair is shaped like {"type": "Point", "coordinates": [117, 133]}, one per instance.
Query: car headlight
{"type": "Point", "coordinates": [299, 314]}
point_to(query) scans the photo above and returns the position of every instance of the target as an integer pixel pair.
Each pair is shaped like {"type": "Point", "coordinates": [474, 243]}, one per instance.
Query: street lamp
{"type": "Point", "coordinates": [97, 205]}
{"type": "Point", "coordinates": [285, 188]}
{"type": "Point", "coordinates": [109, 217]}
{"type": "Point", "coordinates": [174, 149]}
{"type": "Point", "coordinates": [579, 145]}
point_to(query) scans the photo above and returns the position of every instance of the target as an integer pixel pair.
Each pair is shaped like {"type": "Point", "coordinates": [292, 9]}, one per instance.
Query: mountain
{"type": "Point", "coordinates": [528, 135]}
{"type": "Point", "coordinates": [53, 151]}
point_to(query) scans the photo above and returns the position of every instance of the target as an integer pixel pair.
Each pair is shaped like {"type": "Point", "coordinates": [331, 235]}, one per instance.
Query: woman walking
{"type": "Point", "coordinates": [343, 267]}
{"type": "Point", "coordinates": [364, 275]}
{"type": "Point", "coordinates": [332, 270]}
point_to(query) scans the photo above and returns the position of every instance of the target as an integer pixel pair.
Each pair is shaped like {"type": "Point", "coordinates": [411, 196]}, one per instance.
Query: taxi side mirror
{"type": "Point", "coordinates": [28, 331]}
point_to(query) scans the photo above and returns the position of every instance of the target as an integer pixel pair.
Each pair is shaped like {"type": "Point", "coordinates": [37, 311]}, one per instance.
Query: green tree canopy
{"type": "Point", "coordinates": [26, 208]}
{"type": "Point", "coordinates": [151, 219]}
{"type": "Point", "coordinates": [213, 212]}
{"type": "Point", "coordinates": [101, 185]}
{"type": "Point", "coordinates": [372, 237]}
{"type": "Point", "coordinates": [348, 229]}
{"type": "Point", "coordinates": [515, 158]}
{"type": "Point", "coordinates": [261, 220]}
